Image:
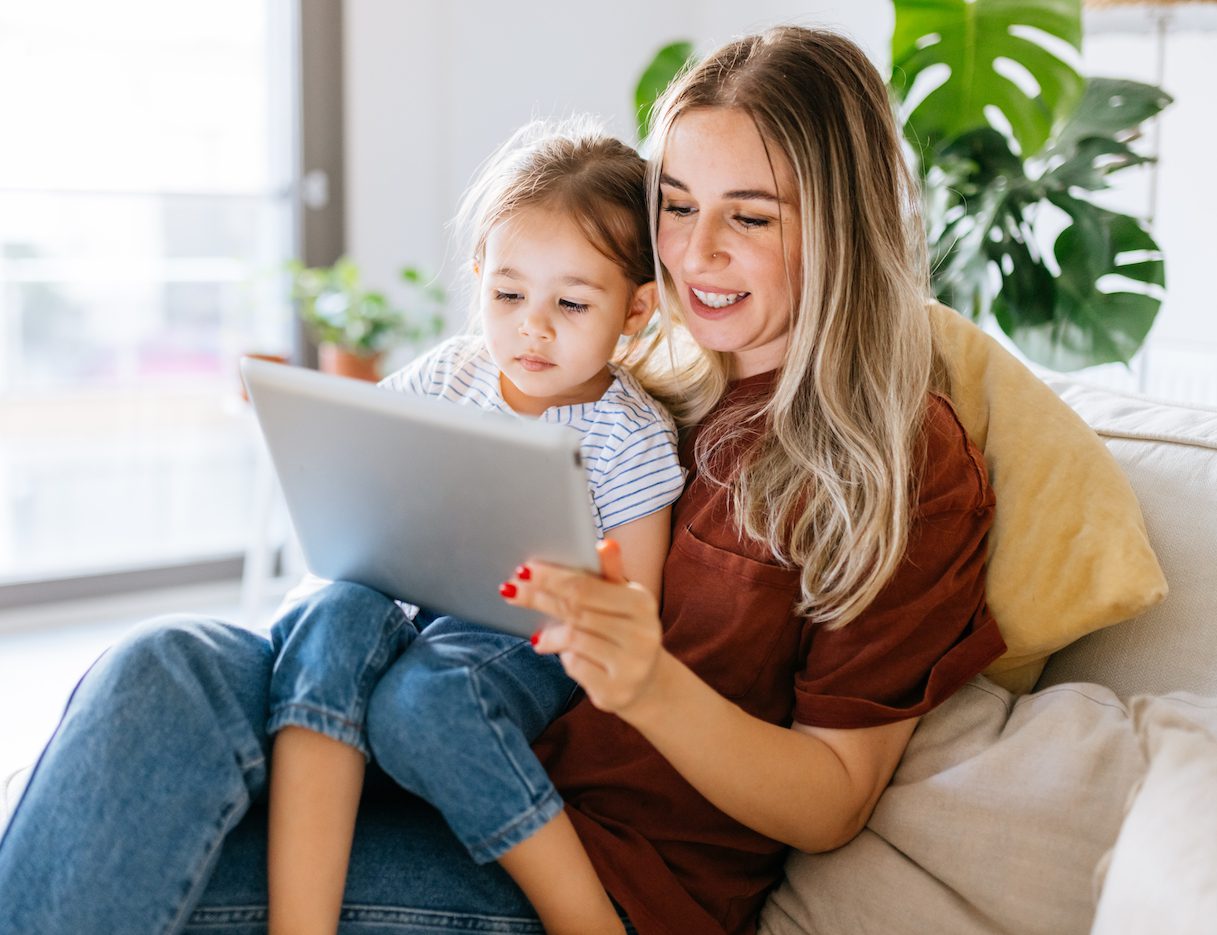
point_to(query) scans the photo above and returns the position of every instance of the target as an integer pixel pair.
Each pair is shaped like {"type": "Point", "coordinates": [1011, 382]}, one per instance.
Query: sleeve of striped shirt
{"type": "Point", "coordinates": [424, 373]}
{"type": "Point", "coordinates": [639, 470]}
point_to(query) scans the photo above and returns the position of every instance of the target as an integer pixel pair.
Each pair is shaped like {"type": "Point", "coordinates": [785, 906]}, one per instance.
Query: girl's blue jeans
{"type": "Point", "coordinates": [146, 812]}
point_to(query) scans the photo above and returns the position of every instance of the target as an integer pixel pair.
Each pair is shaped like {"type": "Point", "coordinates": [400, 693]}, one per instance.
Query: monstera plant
{"type": "Point", "coordinates": [1011, 144]}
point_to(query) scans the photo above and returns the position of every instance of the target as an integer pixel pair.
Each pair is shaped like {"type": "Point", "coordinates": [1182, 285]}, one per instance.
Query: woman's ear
{"type": "Point", "coordinates": [642, 307]}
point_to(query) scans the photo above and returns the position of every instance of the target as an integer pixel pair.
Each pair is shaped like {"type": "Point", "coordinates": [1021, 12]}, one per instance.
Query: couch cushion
{"type": "Point", "coordinates": [1162, 874]}
{"type": "Point", "coordinates": [995, 822]}
{"type": "Point", "coordinates": [1068, 553]}
{"type": "Point", "coordinates": [1169, 454]}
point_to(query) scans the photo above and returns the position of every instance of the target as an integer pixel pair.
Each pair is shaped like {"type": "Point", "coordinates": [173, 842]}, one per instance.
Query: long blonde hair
{"type": "Point", "coordinates": [828, 480]}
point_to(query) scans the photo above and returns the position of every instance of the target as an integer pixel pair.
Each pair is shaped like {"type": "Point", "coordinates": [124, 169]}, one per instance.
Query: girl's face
{"type": "Point", "coordinates": [553, 307]}
{"type": "Point", "coordinates": [729, 236]}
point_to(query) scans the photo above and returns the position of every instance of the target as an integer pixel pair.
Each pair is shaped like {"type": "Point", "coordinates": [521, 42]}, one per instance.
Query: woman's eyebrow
{"type": "Point", "coordinates": [736, 194]}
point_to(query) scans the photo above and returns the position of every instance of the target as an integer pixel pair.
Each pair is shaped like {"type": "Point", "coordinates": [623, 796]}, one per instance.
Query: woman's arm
{"type": "Point", "coordinates": [809, 787]}
{"type": "Point", "coordinates": [644, 547]}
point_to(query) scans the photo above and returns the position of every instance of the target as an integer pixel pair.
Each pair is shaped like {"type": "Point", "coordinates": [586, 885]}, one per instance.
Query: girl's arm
{"type": "Point", "coordinates": [644, 548]}
{"type": "Point", "coordinates": [809, 787]}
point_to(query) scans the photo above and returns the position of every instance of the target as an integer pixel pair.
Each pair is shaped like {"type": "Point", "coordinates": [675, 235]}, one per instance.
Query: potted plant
{"type": "Point", "coordinates": [353, 326]}
{"type": "Point", "coordinates": [1010, 143]}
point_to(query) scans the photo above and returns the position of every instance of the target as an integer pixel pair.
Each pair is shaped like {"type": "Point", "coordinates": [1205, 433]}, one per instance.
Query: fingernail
{"type": "Point", "coordinates": [507, 589]}
{"type": "Point", "coordinates": [523, 572]}
{"type": "Point", "coordinates": [534, 638]}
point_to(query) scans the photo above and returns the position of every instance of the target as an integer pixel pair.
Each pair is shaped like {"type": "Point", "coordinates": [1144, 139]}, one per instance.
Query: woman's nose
{"type": "Point", "coordinates": [704, 250]}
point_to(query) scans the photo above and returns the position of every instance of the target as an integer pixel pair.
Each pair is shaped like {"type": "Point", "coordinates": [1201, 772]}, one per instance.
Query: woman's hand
{"type": "Point", "coordinates": [605, 630]}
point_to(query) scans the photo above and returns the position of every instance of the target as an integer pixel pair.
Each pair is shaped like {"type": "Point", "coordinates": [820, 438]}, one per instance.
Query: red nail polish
{"type": "Point", "coordinates": [523, 572]}
{"type": "Point", "coordinates": [533, 639]}
{"type": "Point", "coordinates": [507, 589]}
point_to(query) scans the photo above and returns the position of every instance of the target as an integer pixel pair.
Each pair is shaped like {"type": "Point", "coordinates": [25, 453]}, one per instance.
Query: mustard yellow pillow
{"type": "Point", "coordinates": [1068, 552]}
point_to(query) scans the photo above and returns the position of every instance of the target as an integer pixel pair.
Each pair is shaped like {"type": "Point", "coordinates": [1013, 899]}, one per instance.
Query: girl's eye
{"type": "Point", "coordinates": [680, 211]}
{"type": "Point", "coordinates": [751, 222]}
{"type": "Point", "coordinates": [501, 296]}
{"type": "Point", "coordinates": [572, 306]}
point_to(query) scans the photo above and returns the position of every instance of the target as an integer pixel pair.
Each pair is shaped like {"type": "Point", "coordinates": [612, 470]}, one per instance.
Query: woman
{"type": "Point", "coordinates": [824, 587]}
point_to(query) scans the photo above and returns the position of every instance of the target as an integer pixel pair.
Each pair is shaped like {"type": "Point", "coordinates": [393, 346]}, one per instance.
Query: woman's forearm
{"type": "Point", "coordinates": [813, 789]}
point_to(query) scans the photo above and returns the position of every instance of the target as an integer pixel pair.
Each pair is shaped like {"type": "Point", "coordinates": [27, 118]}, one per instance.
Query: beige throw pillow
{"type": "Point", "coordinates": [1068, 553]}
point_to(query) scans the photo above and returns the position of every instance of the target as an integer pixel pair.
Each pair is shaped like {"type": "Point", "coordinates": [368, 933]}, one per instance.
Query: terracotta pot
{"type": "Point", "coordinates": [338, 360]}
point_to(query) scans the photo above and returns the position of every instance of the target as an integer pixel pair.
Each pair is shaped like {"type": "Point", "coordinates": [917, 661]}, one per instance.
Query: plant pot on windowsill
{"type": "Point", "coordinates": [359, 365]}
{"type": "Point", "coordinates": [353, 326]}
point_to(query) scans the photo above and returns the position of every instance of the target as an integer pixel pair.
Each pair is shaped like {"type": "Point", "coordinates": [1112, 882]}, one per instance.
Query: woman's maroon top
{"type": "Point", "coordinates": [675, 862]}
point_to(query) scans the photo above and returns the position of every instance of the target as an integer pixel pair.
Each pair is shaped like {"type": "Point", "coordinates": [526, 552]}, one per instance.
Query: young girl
{"type": "Point", "coordinates": [562, 259]}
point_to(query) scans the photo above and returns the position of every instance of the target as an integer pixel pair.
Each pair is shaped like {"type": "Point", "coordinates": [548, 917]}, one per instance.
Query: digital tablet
{"type": "Point", "coordinates": [425, 500]}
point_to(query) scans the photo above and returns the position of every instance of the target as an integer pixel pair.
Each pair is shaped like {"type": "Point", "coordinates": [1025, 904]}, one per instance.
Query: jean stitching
{"type": "Point", "coordinates": [374, 662]}
{"type": "Point", "coordinates": [200, 878]}
{"type": "Point", "coordinates": [425, 919]}
{"type": "Point", "coordinates": [474, 683]}
{"type": "Point", "coordinates": [319, 721]}
{"type": "Point", "coordinates": [490, 847]}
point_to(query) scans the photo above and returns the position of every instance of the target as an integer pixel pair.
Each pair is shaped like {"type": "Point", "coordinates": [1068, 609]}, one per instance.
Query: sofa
{"type": "Point", "coordinates": [1083, 805]}
{"type": "Point", "coordinates": [1086, 804]}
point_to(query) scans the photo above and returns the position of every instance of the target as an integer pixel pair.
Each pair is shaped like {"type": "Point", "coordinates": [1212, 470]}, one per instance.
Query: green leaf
{"type": "Point", "coordinates": [1109, 291]}
{"type": "Point", "coordinates": [968, 37]}
{"type": "Point", "coordinates": [1093, 142]}
{"type": "Point", "coordinates": [665, 66]}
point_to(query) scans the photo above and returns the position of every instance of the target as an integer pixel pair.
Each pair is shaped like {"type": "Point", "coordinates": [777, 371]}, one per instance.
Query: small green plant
{"type": "Point", "coordinates": [336, 309]}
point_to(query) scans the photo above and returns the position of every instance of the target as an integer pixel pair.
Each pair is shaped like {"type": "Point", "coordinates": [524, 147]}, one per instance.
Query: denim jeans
{"type": "Point", "coordinates": [146, 812]}
{"type": "Point", "coordinates": [447, 708]}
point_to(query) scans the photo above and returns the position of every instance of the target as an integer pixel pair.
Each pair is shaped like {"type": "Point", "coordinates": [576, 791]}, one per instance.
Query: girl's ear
{"type": "Point", "coordinates": [642, 307]}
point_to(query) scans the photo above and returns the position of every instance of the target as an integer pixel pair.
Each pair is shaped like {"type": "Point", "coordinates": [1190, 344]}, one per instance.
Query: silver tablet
{"type": "Point", "coordinates": [428, 501]}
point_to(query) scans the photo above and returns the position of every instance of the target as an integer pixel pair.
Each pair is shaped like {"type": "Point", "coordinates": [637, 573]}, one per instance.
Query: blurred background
{"type": "Point", "coordinates": [161, 162]}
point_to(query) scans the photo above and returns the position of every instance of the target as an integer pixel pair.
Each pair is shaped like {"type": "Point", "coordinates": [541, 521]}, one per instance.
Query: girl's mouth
{"type": "Point", "coordinates": [534, 364]}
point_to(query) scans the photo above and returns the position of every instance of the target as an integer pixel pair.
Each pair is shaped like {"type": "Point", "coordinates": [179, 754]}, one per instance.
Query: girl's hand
{"type": "Point", "coordinates": [605, 630]}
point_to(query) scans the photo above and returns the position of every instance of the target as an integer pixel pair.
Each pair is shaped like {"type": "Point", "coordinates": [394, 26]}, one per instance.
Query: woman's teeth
{"type": "Point", "coordinates": [718, 299]}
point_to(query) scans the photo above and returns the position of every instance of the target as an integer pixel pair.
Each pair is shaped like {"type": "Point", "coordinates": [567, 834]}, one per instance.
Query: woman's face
{"type": "Point", "coordinates": [729, 236]}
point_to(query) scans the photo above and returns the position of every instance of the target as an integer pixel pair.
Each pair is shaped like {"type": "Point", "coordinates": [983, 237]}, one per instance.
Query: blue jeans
{"type": "Point", "coordinates": [447, 708]}
{"type": "Point", "coordinates": [146, 812]}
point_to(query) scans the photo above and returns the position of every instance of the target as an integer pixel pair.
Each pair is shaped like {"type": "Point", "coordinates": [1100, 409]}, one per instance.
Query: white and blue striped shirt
{"type": "Point", "coordinates": [629, 439]}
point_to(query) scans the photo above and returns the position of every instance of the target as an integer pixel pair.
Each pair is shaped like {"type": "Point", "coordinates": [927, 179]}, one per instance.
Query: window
{"type": "Point", "coordinates": [145, 217]}
{"type": "Point", "coordinates": [1172, 47]}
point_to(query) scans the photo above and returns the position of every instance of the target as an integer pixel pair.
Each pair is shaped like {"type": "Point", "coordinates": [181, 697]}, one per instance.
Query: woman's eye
{"type": "Point", "coordinates": [679, 211]}
{"type": "Point", "coordinates": [501, 296]}
{"type": "Point", "coordinates": [572, 306]}
{"type": "Point", "coordinates": [751, 222]}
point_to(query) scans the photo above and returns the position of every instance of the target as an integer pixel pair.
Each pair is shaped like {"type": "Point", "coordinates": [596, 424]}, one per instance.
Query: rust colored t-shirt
{"type": "Point", "coordinates": [676, 863]}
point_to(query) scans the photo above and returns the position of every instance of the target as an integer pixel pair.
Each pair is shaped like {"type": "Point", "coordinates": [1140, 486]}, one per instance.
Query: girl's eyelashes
{"type": "Point", "coordinates": [751, 222]}
{"type": "Point", "coordinates": [512, 298]}
{"type": "Point", "coordinates": [680, 211]}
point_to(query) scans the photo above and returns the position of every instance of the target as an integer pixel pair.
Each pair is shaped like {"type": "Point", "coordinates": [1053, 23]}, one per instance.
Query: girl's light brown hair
{"type": "Point", "coordinates": [575, 168]}
{"type": "Point", "coordinates": [829, 481]}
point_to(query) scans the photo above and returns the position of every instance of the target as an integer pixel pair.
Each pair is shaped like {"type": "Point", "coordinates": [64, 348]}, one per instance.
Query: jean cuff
{"type": "Point", "coordinates": [320, 721]}
{"type": "Point", "coordinates": [520, 828]}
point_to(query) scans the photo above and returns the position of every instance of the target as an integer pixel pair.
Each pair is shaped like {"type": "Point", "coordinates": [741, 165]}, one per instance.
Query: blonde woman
{"type": "Point", "coordinates": [824, 589]}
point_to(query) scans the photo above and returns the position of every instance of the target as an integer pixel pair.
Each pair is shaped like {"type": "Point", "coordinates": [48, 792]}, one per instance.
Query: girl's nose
{"type": "Point", "coordinates": [535, 324]}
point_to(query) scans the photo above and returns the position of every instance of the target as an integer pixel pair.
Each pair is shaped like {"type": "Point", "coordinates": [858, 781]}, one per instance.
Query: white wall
{"type": "Point", "coordinates": [432, 87]}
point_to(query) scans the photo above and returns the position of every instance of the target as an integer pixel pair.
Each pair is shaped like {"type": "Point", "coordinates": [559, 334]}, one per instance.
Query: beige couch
{"type": "Point", "coordinates": [1088, 805]}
